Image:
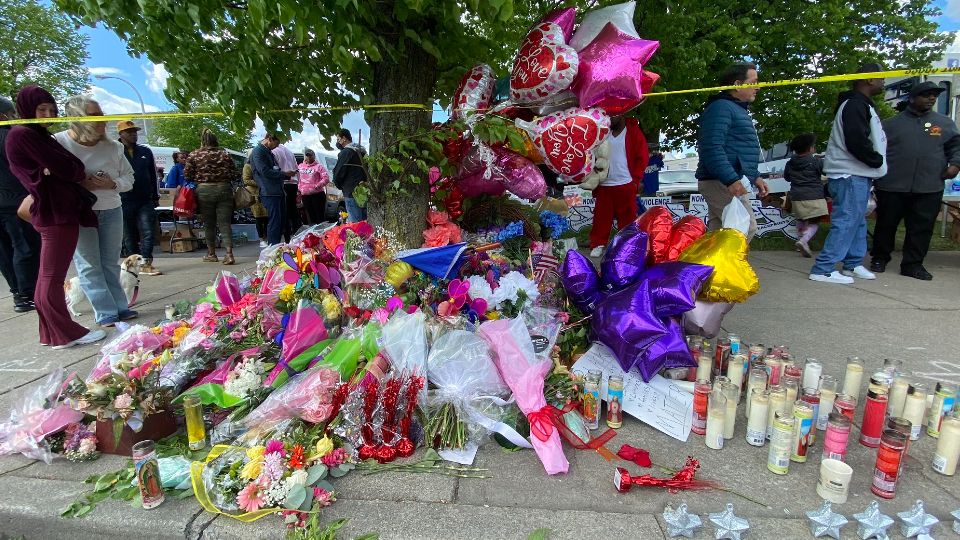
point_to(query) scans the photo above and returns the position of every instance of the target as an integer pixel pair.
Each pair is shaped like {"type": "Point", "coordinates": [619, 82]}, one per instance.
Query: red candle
{"type": "Point", "coordinates": [874, 415]}
{"type": "Point", "coordinates": [701, 393]}
{"type": "Point", "coordinates": [886, 473]}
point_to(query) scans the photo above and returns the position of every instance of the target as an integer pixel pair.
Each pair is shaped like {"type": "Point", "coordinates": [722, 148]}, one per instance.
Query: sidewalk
{"type": "Point", "coordinates": [893, 317]}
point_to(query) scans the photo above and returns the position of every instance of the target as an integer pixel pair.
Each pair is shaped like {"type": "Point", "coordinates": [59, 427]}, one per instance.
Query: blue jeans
{"type": "Point", "coordinates": [139, 220]}
{"type": "Point", "coordinates": [276, 217]}
{"type": "Point", "coordinates": [96, 259]}
{"type": "Point", "coordinates": [19, 254]}
{"type": "Point", "coordinates": [847, 241]}
{"type": "Point", "coordinates": [354, 212]}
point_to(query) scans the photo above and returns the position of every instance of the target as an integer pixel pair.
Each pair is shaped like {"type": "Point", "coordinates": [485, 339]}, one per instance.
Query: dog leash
{"type": "Point", "coordinates": [136, 288]}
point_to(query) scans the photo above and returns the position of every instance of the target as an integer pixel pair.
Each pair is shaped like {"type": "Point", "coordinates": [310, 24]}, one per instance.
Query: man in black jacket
{"type": "Point", "coordinates": [270, 179]}
{"type": "Point", "coordinates": [19, 243]}
{"type": "Point", "coordinates": [923, 150]}
{"type": "Point", "coordinates": [349, 172]}
{"type": "Point", "coordinates": [140, 203]}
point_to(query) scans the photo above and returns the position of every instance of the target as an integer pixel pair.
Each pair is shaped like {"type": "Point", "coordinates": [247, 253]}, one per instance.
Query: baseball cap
{"type": "Point", "coordinates": [124, 125]}
{"type": "Point", "coordinates": [926, 87]}
{"type": "Point", "coordinates": [6, 106]}
{"type": "Point", "coordinates": [870, 67]}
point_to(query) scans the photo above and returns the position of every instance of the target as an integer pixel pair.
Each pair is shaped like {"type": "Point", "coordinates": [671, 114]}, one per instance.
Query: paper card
{"type": "Point", "coordinates": [659, 403]}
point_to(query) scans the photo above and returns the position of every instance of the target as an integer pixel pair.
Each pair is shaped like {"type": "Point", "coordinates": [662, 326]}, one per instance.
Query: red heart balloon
{"type": "Point", "coordinates": [658, 224]}
{"type": "Point", "coordinates": [685, 232]}
{"type": "Point", "coordinates": [566, 140]}
{"type": "Point", "coordinates": [474, 92]}
{"type": "Point", "coordinates": [544, 65]}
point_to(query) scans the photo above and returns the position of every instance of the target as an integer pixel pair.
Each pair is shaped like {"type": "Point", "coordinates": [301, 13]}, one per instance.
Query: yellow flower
{"type": "Point", "coordinates": [397, 273]}
{"type": "Point", "coordinates": [180, 333]}
{"type": "Point", "coordinates": [255, 452]}
{"type": "Point", "coordinates": [493, 315]}
{"type": "Point", "coordinates": [331, 307]}
{"type": "Point", "coordinates": [156, 330]}
{"type": "Point", "coordinates": [286, 293]}
{"type": "Point", "coordinates": [324, 447]}
{"type": "Point", "coordinates": [252, 469]}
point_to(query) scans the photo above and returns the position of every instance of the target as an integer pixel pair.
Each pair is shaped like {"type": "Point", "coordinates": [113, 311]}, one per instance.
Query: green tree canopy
{"type": "Point", "coordinates": [184, 132]}
{"type": "Point", "coordinates": [40, 45]}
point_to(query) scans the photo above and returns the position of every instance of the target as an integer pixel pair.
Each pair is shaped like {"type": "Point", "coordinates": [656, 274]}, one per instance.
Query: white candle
{"type": "Point", "coordinates": [704, 368]}
{"type": "Point", "coordinates": [735, 371]}
{"type": "Point", "coordinates": [828, 392]}
{"type": "Point", "coordinates": [716, 413]}
{"type": "Point", "coordinates": [948, 447]}
{"type": "Point", "coordinates": [914, 408]}
{"type": "Point", "coordinates": [853, 378]}
{"type": "Point", "coordinates": [898, 396]}
{"type": "Point", "coordinates": [778, 404]}
{"type": "Point", "coordinates": [730, 392]}
{"type": "Point", "coordinates": [811, 374]}
{"type": "Point", "coordinates": [792, 389]}
{"type": "Point", "coordinates": [757, 426]}
{"type": "Point", "coordinates": [756, 380]}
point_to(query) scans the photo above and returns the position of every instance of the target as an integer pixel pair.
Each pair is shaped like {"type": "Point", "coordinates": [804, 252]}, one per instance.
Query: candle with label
{"type": "Point", "coordinates": [778, 404]}
{"type": "Point", "coordinates": [828, 391]}
{"type": "Point", "coordinates": [704, 368]}
{"type": "Point", "coordinates": [716, 417]}
{"type": "Point", "coordinates": [943, 399]}
{"type": "Point", "coordinates": [614, 401]}
{"type": "Point", "coordinates": [590, 404]}
{"type": "Point", "coordinates": [914, 407]}
{"type": "Point", "coordinates": [898, 395]}
{"type": "Point", "coordinates": [701, 393]}
{"type": "Point", "coordinates": [886, 473]}
{"type": "Point", "coordinates": [757, 379]}
{"type": "Point", "coordinates": [812, 369]}
{"type": "Point", "coordinates": [778, 458]}
{"type": "Point", "coordinates": [874, 414]}
{"type": "Point", "coordinates": [735, 370]}
{"type": "Point", "coordinates": [730, 393]}
{"type": "Point", "coordinates": [802, 429]}
{"type": "Point", "coordinates": [757, 424]}
{"type": "Point", "coordinates": [948, 447]}
{"type": "Point", "coordinates": [853, 378]}
{"type": "Point", "coordinates": [836, 436]}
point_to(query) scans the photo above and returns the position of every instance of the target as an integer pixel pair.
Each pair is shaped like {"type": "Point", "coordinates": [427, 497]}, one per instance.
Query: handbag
{"type": "Point", "coordinates": [23, 211]}
{"type": "Point", "coordinates": [243, 198]}
{"type": "Point", "coordinates": [185, 205]}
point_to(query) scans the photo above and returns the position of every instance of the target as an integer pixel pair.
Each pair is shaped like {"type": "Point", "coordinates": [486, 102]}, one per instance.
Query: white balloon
{"type": "Point", "coordinates": [705, 319]}
{"type": "Point", "coordinates": [621, 15]}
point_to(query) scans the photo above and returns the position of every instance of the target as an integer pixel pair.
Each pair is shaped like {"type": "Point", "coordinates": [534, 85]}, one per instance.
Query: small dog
{"type": "Point", "coordinates": [129, 280]}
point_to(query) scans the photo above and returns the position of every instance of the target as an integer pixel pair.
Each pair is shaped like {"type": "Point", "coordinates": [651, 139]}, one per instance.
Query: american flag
{"type": "Point", "coordinates": [544, 264]}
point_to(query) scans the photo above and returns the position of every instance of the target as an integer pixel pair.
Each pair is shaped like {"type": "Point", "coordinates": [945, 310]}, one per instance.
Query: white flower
{"type": "Point", "coordinates": [298, 478]}
{"type": "Point", "coordinates": [479, 288]}
{"type": "Point", "coordinates": [88, 446]}
{"type": "Point", "coordinates": [511, 284]}
{"type": "Point", "coordinates": [245, 378]}
{"type": "Point", "coordinates": [277, 493]}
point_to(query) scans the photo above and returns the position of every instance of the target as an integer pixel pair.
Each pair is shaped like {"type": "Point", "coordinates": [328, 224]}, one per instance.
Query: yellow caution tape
{"type": "Point", "coordinates": [406, 107]}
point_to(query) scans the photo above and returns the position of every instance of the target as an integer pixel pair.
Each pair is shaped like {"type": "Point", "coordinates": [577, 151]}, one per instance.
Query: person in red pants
{"type": "Point", "coordinates": [62, 203]}
{"type": "Point", "coordinates": [616, 196]}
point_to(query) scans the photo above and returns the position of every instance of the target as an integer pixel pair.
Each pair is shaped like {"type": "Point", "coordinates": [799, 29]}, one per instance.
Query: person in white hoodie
{"type": "Point", "coordinates": [856, 156]}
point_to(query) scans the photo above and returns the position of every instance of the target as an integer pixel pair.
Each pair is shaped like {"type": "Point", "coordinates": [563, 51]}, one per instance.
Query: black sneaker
{"type": "Point", "coordinates": [917, 273]}
{"type": "Point", "coordinates": [22, 304]}
{"type": "Point", "coordinates": [877, 266]}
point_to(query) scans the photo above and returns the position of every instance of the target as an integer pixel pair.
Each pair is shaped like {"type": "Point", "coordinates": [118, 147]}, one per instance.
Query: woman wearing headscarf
{"type": "Point", "coordinates": [98, 248]}
{"type": "Point", "coordinates": [59, 186]}
{"type": "Point", "coordinates": [213, 170]}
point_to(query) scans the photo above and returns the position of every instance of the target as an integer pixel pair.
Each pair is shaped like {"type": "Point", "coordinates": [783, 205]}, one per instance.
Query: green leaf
{"type": "Point", "coordinates": [136, 502]}
{"type": "Point", "coordinates": [316, 473]}
{"type": "Point", "coordinates": [295, 498]}
{"type": "Point", "coordinates": [323, 484]}
{"type": "Point", "coordinates": [83, 510]}
{"type": "Point", "coordinates": [117, 431]}
{"type": "Point", "coordinates": [412, 34]}
{"type": "Point", "coordinates": [308, 500]}
{"type": "Point", "coordinates": [338, 472]}
{"type": "Point", "coordinates": [105, 482]}
{"type": "Point", "coordinates": [539, 534]}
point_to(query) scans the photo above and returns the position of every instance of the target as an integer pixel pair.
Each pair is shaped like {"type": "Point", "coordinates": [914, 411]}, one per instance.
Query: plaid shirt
{"type": "Point", "coordinates": [208, 165]}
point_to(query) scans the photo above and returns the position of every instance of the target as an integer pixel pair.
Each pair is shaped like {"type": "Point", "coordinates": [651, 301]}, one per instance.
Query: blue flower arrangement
{"type": "Point", "coordinates": [555, 222]}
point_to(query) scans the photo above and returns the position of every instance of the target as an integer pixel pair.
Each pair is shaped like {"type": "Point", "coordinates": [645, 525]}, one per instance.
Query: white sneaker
{"type": "Point", "coordinates": [92, 336]}
{"type": "Point", "coordinates": [860, 272]}
{"type": "Point", "coordinates": [263, 244]}
{"type": "Point", "coordinates": [833, 277]}
{"type": "Point", "coordinates": [597, 251]}
{"type": "Point", "coordinates": [804, 249]}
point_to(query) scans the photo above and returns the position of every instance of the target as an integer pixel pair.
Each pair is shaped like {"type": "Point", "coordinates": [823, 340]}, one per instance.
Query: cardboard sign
{"type": "Point", "coordinates": [659, 403]}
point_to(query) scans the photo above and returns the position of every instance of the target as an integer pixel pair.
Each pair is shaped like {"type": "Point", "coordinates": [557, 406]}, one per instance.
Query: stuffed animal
{"type": "Point", "coordinates": [601, 167]}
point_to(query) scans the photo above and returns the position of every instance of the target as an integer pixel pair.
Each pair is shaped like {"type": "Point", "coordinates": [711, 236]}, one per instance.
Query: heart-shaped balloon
{"type": "Point", "coordinates": [544, 65]}
{"type": "Point", "coordinates": [581, 281]}
{"type": "Point", "coordinates": [474, 93]}
{"type": "Point", "coordinates": [519, 175]}
{"type": "Point", "coordinates": [733, 278]}
{"type": "Point", "coordinates": [658, 224]}
{"type": "Point", "coordinates": [566, 140]}
{"type": "Point", "coordinates": [625, 322]}
{"type": "Point", "coordinates": [674, 286]}
{"type": "Point", "coordinates": [684, 232]}
{"type": "Point", "coordinates": [625, 258]}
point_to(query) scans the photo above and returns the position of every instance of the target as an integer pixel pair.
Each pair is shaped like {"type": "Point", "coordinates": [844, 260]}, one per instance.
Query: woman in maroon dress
{"type": "Point", "coordinates": [56, 180]}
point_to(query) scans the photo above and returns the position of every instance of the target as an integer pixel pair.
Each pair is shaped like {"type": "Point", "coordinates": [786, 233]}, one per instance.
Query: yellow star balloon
{"type": "Point", "coordinates": [733, 279]}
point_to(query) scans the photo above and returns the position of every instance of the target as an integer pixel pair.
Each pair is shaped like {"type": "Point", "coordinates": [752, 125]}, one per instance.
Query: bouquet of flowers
{"type": "Point", "coordinates": [80, 443]}
{"type": "Point", "coordinates": [36, 416]}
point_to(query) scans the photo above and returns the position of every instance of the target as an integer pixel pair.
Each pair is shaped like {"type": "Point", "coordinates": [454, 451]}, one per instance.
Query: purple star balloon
{"type": "Point", "coordinates": [581, 281]}
{"type": "Point", "coordinates": [674, 286]}
{"type": "Point", "coordinates": [625, 322]}
{"type": "Point", "coordinates": [625, 258]}
{"type": "Point", "coordinates": [609, 75]}
{"type": "Point", "coordinates": [670, 351]}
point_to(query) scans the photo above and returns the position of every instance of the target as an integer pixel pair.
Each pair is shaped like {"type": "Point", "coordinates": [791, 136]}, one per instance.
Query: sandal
{"type": "Point", "coordinates": [210, 258]}
{"type": "Point", "coordinates": [228, 260]}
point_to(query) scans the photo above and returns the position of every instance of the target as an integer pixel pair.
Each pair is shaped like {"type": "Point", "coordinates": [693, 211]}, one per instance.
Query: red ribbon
{"type": "Point", "coordinates": [683, 479]}
{"type": "Point", "coordinates": [542, 423]}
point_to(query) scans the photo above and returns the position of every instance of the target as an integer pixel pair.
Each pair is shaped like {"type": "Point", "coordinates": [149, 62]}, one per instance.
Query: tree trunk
{"type": "Point", "coordinates": [409, 80]}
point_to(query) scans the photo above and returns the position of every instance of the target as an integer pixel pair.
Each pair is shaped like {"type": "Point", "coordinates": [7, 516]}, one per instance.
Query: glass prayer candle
{"type": "Point", "coordinates": [169, 311]}
{"type": "Point", "coordinates": [836, 437]}
{"type": "Point", "coordinates": [778, 458]}
{"type": "Point", "coordinates": [914, 407]}
{"type": "Point", "coordinates": [828, 391]}
{"type": "Point", "coordinates": [792, 385]}
{"type": "Point", "coordinates": [882, 380]}
{"type": "Point", "coordinates": [811, 396]}
{"type": "Point", "coordinates": [898, 395]}
{"type": "Point", "coordinates": [734, 344]}
{"type": "Point", "coordinates": [774, 366]}
{"type": "Point", "coordinates": [731, 393]}
{"type": "Point", "coordinates": [846, 405]}
{"type": "Point", "coordinates": [721, 355]}
{"type": "Point", "coordinates": [196, 431]}
{"type": "Point", "coordinates": [802, 429]}
{"type": "Point", "coordinates": [943, 398]}
{"type": "Point", "coordinates": [874, 414]}
{"type": "Point", "coordinates": [757, 424]}
{"type": "Point", "coordinates": [886, 472]}
{"type": "Point", "coordinates": [147, 472]}
{"type": "Point", "coordinates": [716, 417]}
{"type": "Point", "coordinates": [590, 403]}
{"type": "Point", "coordinates": [892, 366]}
{"type": "Point", "coordinates": [735, 371]}
{"type": "Point", "coordinates": [948, 447]}
{"type": "Point", "coordinates": [701, 393]}
{"type": "Point", "coordinates": [720, 379]}
{"type": "Point", "coordinates": [757, 379]}
{"type": "Point", "coordinates": [704, 368]}
{"type": "Point", "coordinates": [812, 369]}
{"type": "Point", "coordinates": [853, 378]}
{"type": "Point", "coordinates": [757, 352]}
{"type": "Point", "coordinates": [614, 401]}
{"type": "Point", "coordinates": [778, 404]}
{"type": "Point", "coordinates": [696, 349]}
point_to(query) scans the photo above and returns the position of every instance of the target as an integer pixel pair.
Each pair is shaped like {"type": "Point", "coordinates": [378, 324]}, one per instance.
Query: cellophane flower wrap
{"type": "Point", "coordinates": [137, 339]}
{"type": "Point", "coordinates": [524, 372]}
{"type": "Point", "coordinates": [38, 413]}
{"type": "Point", "coordinates": [404, 344]}
{"type": "Point", "coordinates": [308, 395]}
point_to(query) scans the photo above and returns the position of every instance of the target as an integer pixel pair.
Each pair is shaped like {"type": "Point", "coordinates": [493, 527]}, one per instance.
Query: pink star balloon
{"type": "Point", "coordinates": [610, 71]}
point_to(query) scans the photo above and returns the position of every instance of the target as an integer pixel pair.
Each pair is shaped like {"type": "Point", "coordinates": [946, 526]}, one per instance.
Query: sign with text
{"type": "Point", "coordinates": [659, 403]}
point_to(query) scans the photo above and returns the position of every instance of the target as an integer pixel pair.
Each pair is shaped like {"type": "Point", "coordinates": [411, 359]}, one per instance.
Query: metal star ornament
{"type": "Point", "coordinates": [916, 521]}
{"type": "Point", "coordinates": [873, 524]}
{"type": "Point", "coordinates": [825, 522]}
{"type": "Point", "coordinates": [728, 525]}
{"type": "Point", "coordinates": [680, 522]}
{"type": "Point", "coordinates": [956, 521]}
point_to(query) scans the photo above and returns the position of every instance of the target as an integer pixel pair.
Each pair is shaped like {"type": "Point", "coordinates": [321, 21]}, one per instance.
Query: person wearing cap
{"type": "Point", "coordinates": [856, 156]}
{"type": "Point", "coordinates": [19, 242]}
{"type": "Point", "coordinates": [923, 150]}
{"type": "Point", "coordinates": [313, 178]}
{"type": "Point", "coordinates": [140, 203]}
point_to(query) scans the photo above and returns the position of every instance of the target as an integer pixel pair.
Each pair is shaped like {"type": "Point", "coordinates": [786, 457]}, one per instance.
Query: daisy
{"type": "Point", "coordinates": [250, 498]}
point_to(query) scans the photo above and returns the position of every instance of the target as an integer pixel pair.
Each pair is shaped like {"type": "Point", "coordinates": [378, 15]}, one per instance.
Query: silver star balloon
{"type": "Point", "coordinates": [916, 521]}
{"type": "Point", "coordinates": [728, 525]}
{"type": "Point", "coordinates": [873, 524]}
{"type": "Point", "coordinates": [680, 522]}
{"type": "Point", "coordinates": [825, 522]}
{"type": "Point", "coordinates": [956, 521]}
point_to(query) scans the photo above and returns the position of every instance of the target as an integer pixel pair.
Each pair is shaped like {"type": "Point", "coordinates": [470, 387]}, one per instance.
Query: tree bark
{"type": "Point", "coordinates": [411, 79]}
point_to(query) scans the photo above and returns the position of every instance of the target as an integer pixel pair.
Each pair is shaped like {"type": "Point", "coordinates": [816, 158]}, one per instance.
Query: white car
{"type": "Point", "coordinates": [677, 182]}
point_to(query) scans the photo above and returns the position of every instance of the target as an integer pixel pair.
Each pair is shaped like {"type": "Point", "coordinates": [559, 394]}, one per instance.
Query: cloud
{"type": "Point", "coordinates": [114, 104]}
{"type": "Point", "coordinates": [952, 10]}
{"type": "Point", "coordinates": [106, 71]}
{"type": "Point", "coordinates": [954, 47]}
{"type": "Point", "coordinates": [157, 76]}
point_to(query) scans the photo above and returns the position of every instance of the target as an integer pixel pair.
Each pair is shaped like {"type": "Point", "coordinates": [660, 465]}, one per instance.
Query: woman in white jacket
{"type": "Point", "coordinates": [98, 249]}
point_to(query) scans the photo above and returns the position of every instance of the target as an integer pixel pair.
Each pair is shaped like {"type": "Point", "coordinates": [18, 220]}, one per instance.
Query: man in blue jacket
{"type": "Point", "coordinates": [140, 203]}
{"type": "Point", "coordinates": [270, 179]}
{"type": "Point", "coordinates": [728, 147]}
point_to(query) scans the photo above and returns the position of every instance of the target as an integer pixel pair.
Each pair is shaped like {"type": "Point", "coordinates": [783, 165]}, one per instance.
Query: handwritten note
{"type": "Point", "coordinates": [659, 403]}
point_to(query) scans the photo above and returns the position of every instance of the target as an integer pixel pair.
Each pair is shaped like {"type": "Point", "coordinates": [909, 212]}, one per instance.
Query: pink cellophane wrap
{"type": "Point", "coordinates": [524, 373]}
{"type": "Point", "coordinates": [31, 420]}
{"type": "Point", "coordinates": [308, 395]}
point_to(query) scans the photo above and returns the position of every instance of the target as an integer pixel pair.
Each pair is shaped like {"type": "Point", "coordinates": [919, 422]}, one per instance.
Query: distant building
{"type": "Point", "coordinates": [673, 161]}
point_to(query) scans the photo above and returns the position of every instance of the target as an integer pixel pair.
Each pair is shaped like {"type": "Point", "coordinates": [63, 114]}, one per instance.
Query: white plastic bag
{"type": "Point", "coordinates": [736, 216]}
